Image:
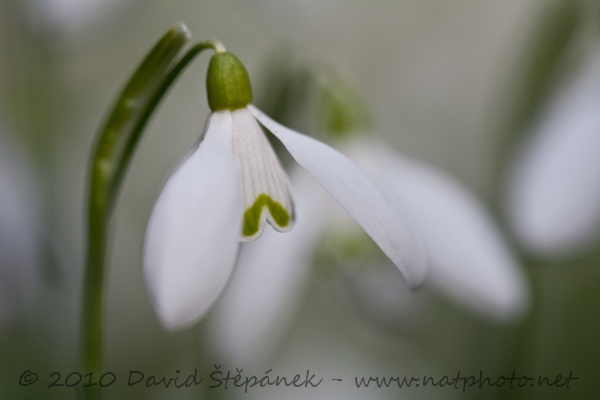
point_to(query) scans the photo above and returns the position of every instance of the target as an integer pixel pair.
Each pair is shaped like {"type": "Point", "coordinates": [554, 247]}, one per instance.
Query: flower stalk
{"type": "Point", "coordinates": [114, 148]}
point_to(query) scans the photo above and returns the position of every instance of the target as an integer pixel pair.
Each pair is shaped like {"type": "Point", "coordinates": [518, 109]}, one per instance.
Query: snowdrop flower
{"type": "Point", "coordinates": [469, 260]}
{"type": "Point", "coordinates": [553, 187]}
{"type": "Point", "coordinates": [232, 184]}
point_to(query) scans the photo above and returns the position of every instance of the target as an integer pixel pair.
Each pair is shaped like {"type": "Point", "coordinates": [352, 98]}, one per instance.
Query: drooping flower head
{"type": "Point", "coordinates": [232, 183]}
{"type": "Point", "coordinates": [264, 183]}
{"type": "Point", "coordinates": [469, 261]}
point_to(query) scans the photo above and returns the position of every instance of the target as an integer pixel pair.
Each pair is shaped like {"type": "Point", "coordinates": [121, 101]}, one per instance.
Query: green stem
{"type": "Point", "coordinates": [114, 149]}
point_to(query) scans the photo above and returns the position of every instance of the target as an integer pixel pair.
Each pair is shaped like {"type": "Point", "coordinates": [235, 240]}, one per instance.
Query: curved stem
{"type": "Point", "coordinates": [114, 149]}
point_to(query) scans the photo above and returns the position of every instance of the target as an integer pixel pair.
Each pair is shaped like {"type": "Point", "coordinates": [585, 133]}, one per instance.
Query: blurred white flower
{"type": "Point", "coordinates": [70, 19]}
{"type": "Point", "coordinates": [68, 24]}
{"type": "Point", "coordinates": [468, 258]}
{"type": "Point", "coordinates": [19, 240]}
{"type": "Point", "coordinates": [232, 184]}
{"type": "Point", "coordinates": [553, 188]}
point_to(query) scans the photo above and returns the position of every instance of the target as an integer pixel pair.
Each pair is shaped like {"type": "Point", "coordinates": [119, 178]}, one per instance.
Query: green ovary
{"type": "Point", "coordinates": [253, 213]}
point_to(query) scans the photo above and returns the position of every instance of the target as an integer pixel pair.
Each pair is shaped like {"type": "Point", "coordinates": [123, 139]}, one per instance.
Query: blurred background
{"type": "Point", "coordinates": [500, 97]}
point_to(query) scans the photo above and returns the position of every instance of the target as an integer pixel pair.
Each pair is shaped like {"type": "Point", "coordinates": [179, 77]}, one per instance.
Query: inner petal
{"type": "Point", "coordinates": [265, 186]}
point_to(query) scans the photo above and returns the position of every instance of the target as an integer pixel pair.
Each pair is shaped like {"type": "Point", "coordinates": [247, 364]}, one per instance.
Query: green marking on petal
{"type": "Point", "coordinates": [253, 213]}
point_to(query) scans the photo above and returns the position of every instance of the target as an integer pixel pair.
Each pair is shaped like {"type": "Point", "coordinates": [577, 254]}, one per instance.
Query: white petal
{"type": "Point", "coordinates": [192, 237]}
{"type": "Point", "coordinates": [268, 283]}
{"type": "Point", "coordinates": [263, 178]}
{"type": "Point", "coordinates": [554, 188]}
{"type": "Point", "coordinates": [469, 259]}
{"type": "Point", "coordinates": [359, 195]}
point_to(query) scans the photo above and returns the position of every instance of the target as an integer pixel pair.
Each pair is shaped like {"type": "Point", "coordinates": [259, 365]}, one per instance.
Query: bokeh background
{"type": "Point", "coordinates": [457, 84]}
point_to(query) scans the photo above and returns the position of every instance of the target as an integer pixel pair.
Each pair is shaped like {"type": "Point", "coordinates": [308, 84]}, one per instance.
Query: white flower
{"type": "Point", "coordinates": [232, 184]}
{"type": "Point", "coordinates": [469, 260]}
{"type": "Point", "coordinates": [553, 193]}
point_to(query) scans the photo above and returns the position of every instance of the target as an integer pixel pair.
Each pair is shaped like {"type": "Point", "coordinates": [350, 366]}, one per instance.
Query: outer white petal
{"type": "Point", "coordinates": [469, 259]}
{"type": "Point", "coordinates": [192, 236]}
{"type": "Point", "coordinates": [554, 185]}
{"type": "Point", "coordinates": [262, 177]}
{"type": "Point", "coordinates": [268, 283]}
{"type": "Point", "coordinates": [359, 195]}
